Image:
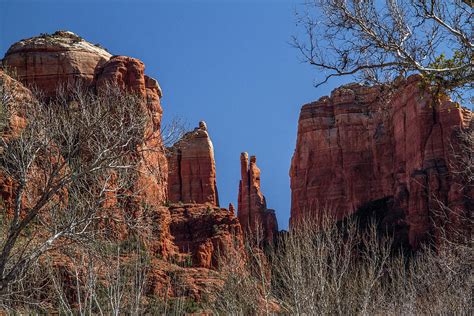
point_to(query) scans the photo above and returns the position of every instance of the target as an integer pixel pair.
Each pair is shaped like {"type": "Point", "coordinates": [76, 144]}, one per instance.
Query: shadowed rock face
{"type": "Point", "coordinates": [192, 170]}
{"type": "Point", "coordinates": [253, 214]}
{"type": "Point", "coordinates": [48, 61]}
{"type": "Point", "coordinates": [356, 147]}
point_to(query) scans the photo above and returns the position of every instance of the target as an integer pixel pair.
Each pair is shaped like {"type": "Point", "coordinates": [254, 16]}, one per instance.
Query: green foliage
{"type": "Point", "coordinates": [61, 33]}
{"type": "Point", "coordinates": [101, 47]}
{"type": "Point", "coordinates": [447, 82]}
{"type": "Point", "coordinates": [187, 262]}
{"type": "Point", "coordinates": [3, 117]}
{"type": "Point", "coordinates": [132, 244]}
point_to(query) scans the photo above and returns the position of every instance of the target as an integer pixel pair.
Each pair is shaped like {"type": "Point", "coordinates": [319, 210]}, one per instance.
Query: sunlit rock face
{"type": "Point", "coordinates": [48, 61]}
{"type": "Point", "coordinates": [362, 145]}
{"type": "Point", "coordinates": [192, 169]}
{"type": "Point", "coordinates": [254, 216]}
{"type": "Point", "coordinates": [186, 239]}
{"type": "Point", "coordinates": [128, 74]}
{"type": "Point", "coordinates": [207, 233]}
{"type": "Point", "coordinates": [63, 61]}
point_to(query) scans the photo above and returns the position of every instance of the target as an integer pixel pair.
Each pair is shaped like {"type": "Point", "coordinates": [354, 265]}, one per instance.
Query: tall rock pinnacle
{"type": "Point", "coordinates": [253, 214]}
{"type": "Point", "coordinates": [192, 169]}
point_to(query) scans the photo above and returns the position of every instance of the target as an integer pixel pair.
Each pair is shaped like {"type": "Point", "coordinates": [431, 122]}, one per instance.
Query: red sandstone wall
{"type": "Point", "coordinates": [357, 146]}
{"type": "Point", "coordinates": [192, 169]}
{"type": "Point", "coordinates": [253, 214]}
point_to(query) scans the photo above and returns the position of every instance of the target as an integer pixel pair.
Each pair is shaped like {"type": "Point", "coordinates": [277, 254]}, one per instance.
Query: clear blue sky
{"type": "Point", "coordinates": [226, 62]}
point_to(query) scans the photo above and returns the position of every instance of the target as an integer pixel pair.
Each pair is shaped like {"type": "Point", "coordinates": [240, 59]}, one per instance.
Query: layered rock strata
{"type": "Point", "coordinates": [50, 61]}
{"type": "Point", "coordinates": [187, 239]}
{"type": "Point", "coordinates": [206, 233]}
{"type": "Point", "coordinates": [254, 216]}
{"type": "Point", "coordinates": [192, 170]}
{"type": "Point", "coordinates": [128, 74]}
{"type": "Point", "coordinates": [360, 149]}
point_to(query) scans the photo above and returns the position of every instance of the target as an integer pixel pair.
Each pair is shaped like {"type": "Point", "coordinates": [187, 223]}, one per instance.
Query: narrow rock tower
{"type": "Point", "coordinates": [192, 169]}
{"type": "Point", "coordinates": [255, 218]}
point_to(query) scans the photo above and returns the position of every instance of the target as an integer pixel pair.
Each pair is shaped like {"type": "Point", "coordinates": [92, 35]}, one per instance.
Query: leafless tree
{"type": "Point", "coordinates": [379, 41]}
{"type": "Point", "coordinates": [74, 152]}
{"type": "Point", "coordinates": [246, 289]}
{"type": "Point", "coordinates": [463, 155]}
{"type": "Point", "coordinates": [326, 267]}
{"type": "Point", "coordinates": [173, 131]}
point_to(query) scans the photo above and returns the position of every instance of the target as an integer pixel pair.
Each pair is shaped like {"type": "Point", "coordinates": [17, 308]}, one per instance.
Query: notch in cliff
{"type": "Point", "coordinates": [254, 216]}
{"type": "Point", "coordinates": [192, 169]}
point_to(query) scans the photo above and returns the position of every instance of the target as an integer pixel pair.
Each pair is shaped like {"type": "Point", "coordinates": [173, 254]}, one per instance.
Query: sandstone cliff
{"type": "Point", "coordinates": [49, 61]}
{"type": "Point", "coordinates": [358, 151]}
{"type": "Point", "coordinates": [254, 216]}
{"type": "Point", "coordinates": [192, 170]}
{"type": "Point", "coordinates": [187, 239]}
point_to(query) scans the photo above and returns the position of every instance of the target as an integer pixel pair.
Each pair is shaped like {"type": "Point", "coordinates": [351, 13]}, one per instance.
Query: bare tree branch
{"type": "Point", "coordinates": [378, 42]}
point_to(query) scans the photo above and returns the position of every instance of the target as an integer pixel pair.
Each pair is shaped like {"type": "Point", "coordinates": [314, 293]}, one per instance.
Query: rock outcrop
{"type": "Point", "coordinates": [358, 151]}
{"type": "Point", "coordinates": [205, 233]}
{"type": "Point", "coordinates": [12, 121]}
{"type": "Point", "coordinates": [254, 216]}
{"type": "Point", "coordinates": [49, 61]}
{"type": "Point", "coordinates": [128, 74]}
{"type": "Point", "coordinates": [185, 239]}
{"type": "Point", "coordinates": [64, 59]}
{"type": "Point", "coordinates": [192, 170]}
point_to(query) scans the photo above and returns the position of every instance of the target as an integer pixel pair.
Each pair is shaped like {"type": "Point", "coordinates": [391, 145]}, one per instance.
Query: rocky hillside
{"type": "Point", "coordinates": [174, 195]}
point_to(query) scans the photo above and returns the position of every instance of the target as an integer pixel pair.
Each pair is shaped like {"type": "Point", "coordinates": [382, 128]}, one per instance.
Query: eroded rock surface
{"type": "Point", "coordinates": [254, 216]}
{"type": "Point", "coordinates": [184, 239]}
{"type": "Point", "coordinates": [128, 74]}
{"type": "Point", "coordinates": [192, 170]}
{"type": "Point", "coordinates": [357, 147]}
{"type": "Point", "coordinates": [49, 61]}
{"type": "Point", "coordinates": [206, 233]}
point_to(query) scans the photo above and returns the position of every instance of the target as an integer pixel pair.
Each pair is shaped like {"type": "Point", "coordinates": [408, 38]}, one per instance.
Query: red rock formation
{"type": "Point", "coordinates": [253, 214]}
{"type": "Point", "coordinates": [186, 239]}
{"type": "Point", "coordinates": [205, 233]}
{"type": "Point", "coordinates": [10, 126]}
{"type": "Point", "coordinates": [183, 242]}
{"type": "Point", "coordinates": [48, 61]}
{"type": "Point", "coordinates": [357, 148]}
{"type": "Point", "coordinates": [128, 74]}
{"type": "Point", "coordinates": [192, 171]}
